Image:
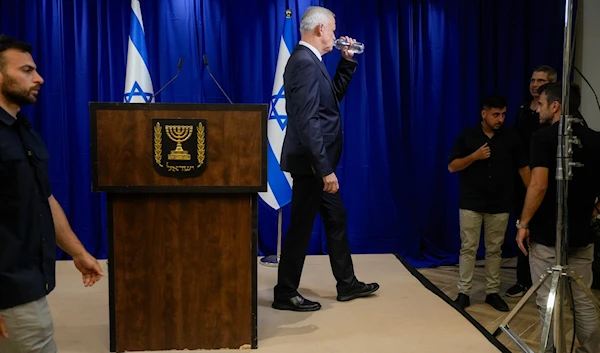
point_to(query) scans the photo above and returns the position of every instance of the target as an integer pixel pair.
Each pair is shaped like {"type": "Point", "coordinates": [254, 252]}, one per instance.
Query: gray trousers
{"type": "Point", "coordinates": [30, 329]}
{"type": "Point", "coordinates": [542, 257]}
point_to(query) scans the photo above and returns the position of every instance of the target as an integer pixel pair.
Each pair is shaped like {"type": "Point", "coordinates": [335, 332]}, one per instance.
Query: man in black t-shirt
{"type": "Point", "coordinates": [528, 122]}
{"type": "Point", "coordinates": [486, 156]}
{"type": "Point", "coordinates": [538, 221]}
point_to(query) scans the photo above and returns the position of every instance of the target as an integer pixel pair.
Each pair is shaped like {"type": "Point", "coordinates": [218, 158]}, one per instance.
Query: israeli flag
{"type": "Point", "coordinates": [138, 84]}
{"type": "Point", "coordinates": [279, 183]}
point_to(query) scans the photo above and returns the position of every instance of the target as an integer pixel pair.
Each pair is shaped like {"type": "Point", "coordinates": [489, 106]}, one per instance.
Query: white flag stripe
{"type": "Point", "coordinates": [284, 56]}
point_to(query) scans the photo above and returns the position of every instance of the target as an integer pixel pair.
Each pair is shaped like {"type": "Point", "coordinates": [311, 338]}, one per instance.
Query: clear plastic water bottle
{"type": "Point", "coordinates": [356, 48]}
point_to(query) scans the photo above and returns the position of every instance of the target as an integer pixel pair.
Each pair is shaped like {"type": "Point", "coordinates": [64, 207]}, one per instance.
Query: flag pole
{"type": "Point", "coordinates": [279, 222]}
{"type": "Point", "coordinates": [273, 260]}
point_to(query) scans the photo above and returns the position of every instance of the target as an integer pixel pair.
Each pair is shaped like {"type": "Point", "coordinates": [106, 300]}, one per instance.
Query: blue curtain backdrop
{"type": "Point", "coordinates": [426, 67]}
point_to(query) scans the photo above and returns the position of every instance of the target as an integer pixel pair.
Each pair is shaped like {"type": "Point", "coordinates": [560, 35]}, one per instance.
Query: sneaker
{"type": "Point", "coordinates": [496, 302]}
{"type": "Point", "coordinates": [462, 301]}
{"type": "Point", "coordinates": [518, 290]}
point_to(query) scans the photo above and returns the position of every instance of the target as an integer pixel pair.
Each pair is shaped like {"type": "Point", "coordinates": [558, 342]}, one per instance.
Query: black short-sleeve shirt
{"type": "Point", "coordinates": [527, 122]}
{"type": "Point", "coordinates": [487, 186]}
{"type": "Point", "coordinates": [27, 238]}
{"type": "Point", "coordinates": [583, 188]}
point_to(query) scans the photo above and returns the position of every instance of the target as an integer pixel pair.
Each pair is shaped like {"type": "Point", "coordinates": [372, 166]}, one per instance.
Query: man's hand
{"type": "Point", "coordinates": [482, 153]}
{"type": "Point", "coordinates": [330, 183]}
{"type": "Point", "coordinates": [89, 268]}
{"type": "Point", "coordinates": [346, 54]}
{"type": "Point", "coordinates": [3, 330]}
{"type": "Point", "coordinates": [596, 210]}
{"type": "Point", "coordinates": [523, 235]}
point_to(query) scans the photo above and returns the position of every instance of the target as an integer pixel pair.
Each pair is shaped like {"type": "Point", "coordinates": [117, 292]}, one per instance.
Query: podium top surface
{"type": "Point", "coordinates": [173, 148]}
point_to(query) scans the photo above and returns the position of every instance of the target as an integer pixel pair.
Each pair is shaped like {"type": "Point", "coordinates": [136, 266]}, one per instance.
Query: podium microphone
{"type": "Point", "coordinates": [211, 75]}
{"type": "Point", "coordinates": [171, 80]}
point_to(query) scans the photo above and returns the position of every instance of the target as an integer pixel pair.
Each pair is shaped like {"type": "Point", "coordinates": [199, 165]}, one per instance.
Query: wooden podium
{"type": "Point", "coordinates": [181, 183]}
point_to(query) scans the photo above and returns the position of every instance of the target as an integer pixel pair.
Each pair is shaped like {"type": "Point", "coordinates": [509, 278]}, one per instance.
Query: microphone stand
{"type": "Point", "coordinates": [214, 79]}
{"type": "Point", "coordinates": [561, 274]}
{"type": "Point", "coordinates": [168, 83]}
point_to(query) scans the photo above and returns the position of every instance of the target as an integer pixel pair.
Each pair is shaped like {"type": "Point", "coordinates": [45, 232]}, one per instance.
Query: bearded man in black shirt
{"type": "Point", "coordinates": [537, 224]}
{"type": "Point", "coordinates": [32, 222]}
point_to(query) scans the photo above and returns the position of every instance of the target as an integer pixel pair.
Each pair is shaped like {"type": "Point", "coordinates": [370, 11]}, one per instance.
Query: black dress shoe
{"type": "Point", "coordinates": [495, 301]}
{"type": "Point", "coordinates": [297, 303]}
{"type": "Point", "coordinates": [462, 301]}
{"type": "Point", "coordinates": [358, 291]}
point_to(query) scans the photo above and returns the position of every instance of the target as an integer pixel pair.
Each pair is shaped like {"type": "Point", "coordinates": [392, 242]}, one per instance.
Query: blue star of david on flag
{"type": "Point", "coordinates": [136, 90]}
{"type": "Point", "coordinates": [275, 114]}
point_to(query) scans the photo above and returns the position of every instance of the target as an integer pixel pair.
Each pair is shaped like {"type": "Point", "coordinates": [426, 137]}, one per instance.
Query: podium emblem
{"type": "Point", "coordinates": [179, 147]}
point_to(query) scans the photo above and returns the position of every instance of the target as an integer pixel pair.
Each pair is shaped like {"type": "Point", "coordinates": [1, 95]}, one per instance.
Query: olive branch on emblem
{"type": "Point", "coordinates": [201, 151]}
{"type": "Point", "coordinates": [158, 144]}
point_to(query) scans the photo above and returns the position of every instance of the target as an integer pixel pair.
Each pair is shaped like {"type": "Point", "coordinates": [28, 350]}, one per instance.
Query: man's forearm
{"type": "Point", "coordinates": [343, 76]}
{"type": "Point", "coordinates": [461, 163]}
{"type": "Point", "coordinates": [65, 237]}
{"type": "Point", "coordinates": [525, 176]}
{"type": "Point", "coordinates": [533, 200]}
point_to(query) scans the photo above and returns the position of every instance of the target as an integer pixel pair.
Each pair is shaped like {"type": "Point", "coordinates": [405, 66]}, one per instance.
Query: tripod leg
{"type": "Point", "coordinates": [586, 290]}
{"type": "Point", "coordinates": [522, 302]}
{"type": "Point", "coordinates": [559, 309]}
{"type": "Point", "coordinates": [552, 296]}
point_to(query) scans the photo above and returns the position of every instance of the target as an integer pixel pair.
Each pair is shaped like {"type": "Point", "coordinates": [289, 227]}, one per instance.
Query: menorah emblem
{"type": "Point", "coordinates": [179, 134]}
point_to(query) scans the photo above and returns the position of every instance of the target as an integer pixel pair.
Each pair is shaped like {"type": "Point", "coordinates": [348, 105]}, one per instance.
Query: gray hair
{"type": "Point", "coordinates": [552, 76]}
{"type": "Point", "coordinates": [314, 16]}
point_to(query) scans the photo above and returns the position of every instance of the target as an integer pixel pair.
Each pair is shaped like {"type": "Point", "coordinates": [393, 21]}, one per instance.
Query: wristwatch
{"type": "Point", "coordinates": [521, 226]}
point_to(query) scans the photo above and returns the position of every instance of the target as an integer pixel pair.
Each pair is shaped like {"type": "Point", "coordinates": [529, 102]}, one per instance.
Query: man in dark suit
{"type": "Point", "coordinates": [311, 152]}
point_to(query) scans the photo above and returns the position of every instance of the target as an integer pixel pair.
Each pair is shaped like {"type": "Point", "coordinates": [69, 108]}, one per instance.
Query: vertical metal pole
{"type": "Point", "coordinates": [279, 223]}
{"type": "Point", "coordinates": [563, 175]}
{"type": "Point", "coordinates": [273, 260]}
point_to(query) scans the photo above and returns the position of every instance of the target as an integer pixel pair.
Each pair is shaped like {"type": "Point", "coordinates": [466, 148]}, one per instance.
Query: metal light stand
{"type": "Point", "coordinates": [273, 260]}
{"type": "Point", "coordinates": [561, 273]}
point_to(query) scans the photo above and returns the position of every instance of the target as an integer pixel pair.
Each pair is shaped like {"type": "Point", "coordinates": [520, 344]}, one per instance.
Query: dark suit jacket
{"type": "Point", "coordinates": [313, 140]}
